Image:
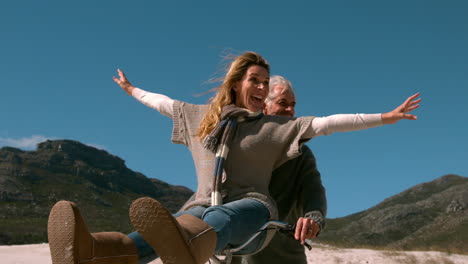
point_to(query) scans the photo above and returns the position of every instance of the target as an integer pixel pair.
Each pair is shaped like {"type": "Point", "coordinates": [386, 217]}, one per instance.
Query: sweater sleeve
{"type": "Point", "coordinates": [342, 123]}
{"type": "Point", "coordinates": [312, 194]}
{"type": "Point", "coordinates": [310, 198]}
{"type": "Point", "coordinates": [156, 101]}
{"type": "Point", "coordinates": [310, 127]}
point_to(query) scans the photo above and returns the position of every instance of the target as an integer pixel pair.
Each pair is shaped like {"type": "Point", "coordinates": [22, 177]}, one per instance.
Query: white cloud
{"type": "Point", "coordinates": [23, 143]}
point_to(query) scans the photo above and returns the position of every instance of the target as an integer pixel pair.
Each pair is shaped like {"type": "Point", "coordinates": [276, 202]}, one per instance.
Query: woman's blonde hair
{"type": "Point", "coordinates": [226, 95]}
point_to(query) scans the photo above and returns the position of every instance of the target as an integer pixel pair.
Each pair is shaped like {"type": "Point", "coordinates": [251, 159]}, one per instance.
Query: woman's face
{"type": "Point", "coordinates": [252, 89]}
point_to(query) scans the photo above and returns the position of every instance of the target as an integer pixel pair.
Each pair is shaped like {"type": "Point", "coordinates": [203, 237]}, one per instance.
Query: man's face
{"type": "Point", "coordinates": [283, 104]}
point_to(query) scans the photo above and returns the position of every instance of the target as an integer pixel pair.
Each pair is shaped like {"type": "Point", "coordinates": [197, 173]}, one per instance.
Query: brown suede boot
{"type": "Point", "coordinates": [71, 243]}
{"type": "Point", "coordinates": [185, 240]}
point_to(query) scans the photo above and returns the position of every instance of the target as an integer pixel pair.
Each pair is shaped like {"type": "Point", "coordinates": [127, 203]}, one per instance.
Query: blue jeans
{"type": "Point", "coordinates": [234, 223]}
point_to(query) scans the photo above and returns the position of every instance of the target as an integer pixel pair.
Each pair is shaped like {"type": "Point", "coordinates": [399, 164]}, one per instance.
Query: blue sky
{"type": "Point", "coordinates": [57, 59]}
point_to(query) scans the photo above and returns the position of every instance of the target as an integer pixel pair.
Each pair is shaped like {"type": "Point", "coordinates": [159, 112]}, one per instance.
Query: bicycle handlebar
{"type": "Point", "coordinates": [280, 226]}
{"type": "Point", "coordinates": [291, 229]}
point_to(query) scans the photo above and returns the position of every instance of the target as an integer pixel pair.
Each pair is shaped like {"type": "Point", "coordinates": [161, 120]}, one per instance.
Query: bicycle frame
{"type": "Point", "coordinates": [273, 224]}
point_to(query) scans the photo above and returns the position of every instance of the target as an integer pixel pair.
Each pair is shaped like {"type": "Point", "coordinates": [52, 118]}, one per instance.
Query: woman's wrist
{"type": "Point", "coordinates": [129, 89]}
{"type": "Point", "coordinates": [389, 118]}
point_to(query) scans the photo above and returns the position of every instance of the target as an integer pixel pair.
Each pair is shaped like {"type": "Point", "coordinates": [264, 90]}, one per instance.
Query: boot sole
{"type": "Point", "coordinates": [61, 233]}
{"type": "Point", "coordinates": [161, 231]}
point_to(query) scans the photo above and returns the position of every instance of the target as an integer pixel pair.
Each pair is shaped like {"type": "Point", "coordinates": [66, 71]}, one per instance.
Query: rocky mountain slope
{"type": "Point", "coordinates": [31, 182]}
{"type": "Point", "coordinates": [428, 216]}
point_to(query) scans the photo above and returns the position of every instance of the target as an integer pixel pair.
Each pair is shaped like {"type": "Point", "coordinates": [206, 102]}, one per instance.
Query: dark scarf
{"type": "Point", "coordinates": [219, 139]}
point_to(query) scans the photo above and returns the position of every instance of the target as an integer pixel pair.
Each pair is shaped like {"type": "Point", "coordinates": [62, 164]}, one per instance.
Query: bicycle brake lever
{"type": "Point", "coordinates": [307, 245]}
{"type": "Point", "coordinates": [290, 229]}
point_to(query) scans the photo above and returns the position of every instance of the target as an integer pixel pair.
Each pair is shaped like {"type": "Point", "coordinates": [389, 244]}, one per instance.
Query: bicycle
{"type": "Point", "coordinates": [225, 257]}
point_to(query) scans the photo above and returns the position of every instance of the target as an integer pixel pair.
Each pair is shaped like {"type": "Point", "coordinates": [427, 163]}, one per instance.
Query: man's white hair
{"type": "Point", "coordinates": [275, 81]}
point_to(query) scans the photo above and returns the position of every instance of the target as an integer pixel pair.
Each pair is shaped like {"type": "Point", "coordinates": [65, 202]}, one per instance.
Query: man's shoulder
{"type": "Point", "coordinates": [305, 149]}
{"type": "Point", "coordinates": [306, 152]}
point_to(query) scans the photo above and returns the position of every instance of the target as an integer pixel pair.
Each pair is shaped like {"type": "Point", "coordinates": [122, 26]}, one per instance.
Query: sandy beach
{"type": "Point", "coordinates": [39, 254]}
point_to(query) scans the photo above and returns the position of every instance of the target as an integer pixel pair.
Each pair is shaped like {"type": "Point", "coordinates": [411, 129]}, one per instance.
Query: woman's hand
{"type": "Point", "coordinates": [306, 229]}
{"type": "Point", "coordinates": [123, 82]}
{"type": "Point", "coordinates": [401, 112]}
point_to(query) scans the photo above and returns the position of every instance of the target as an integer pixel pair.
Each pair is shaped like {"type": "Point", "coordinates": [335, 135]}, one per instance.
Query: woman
{"type": "Point", "coordinates": [232, 200]}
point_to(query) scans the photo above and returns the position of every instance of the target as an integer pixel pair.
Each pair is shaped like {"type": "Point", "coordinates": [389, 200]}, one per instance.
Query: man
{"type": "Point", "coordinates": [296, 187]}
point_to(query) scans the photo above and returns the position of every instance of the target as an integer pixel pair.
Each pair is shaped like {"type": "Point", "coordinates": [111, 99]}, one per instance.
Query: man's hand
{"type": "Point", "coordinates": [123, 82]}
{"type": "Point", "coordinates": [306, 229]}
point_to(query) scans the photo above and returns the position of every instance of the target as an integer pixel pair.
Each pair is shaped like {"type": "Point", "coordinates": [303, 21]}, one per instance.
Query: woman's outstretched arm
{"type": "Point", "coordinates": [156, 101]}
{"type": "Point", "coordinates": [350, 122]}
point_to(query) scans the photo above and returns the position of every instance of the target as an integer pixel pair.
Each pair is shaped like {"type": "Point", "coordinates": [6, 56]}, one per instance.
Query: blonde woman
{"type": "Point", "coordinates": [235, 149]}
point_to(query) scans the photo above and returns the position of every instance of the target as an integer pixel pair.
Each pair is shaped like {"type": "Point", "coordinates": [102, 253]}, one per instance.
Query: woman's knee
{"type": "Point", "coordinates": [217, 217]}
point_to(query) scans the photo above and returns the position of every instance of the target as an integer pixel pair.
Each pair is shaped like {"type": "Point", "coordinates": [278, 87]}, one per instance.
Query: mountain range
{"type": "Point", "coordinates": [428, 216]}
{"type": "Point", "coordinates": [31, 182]}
